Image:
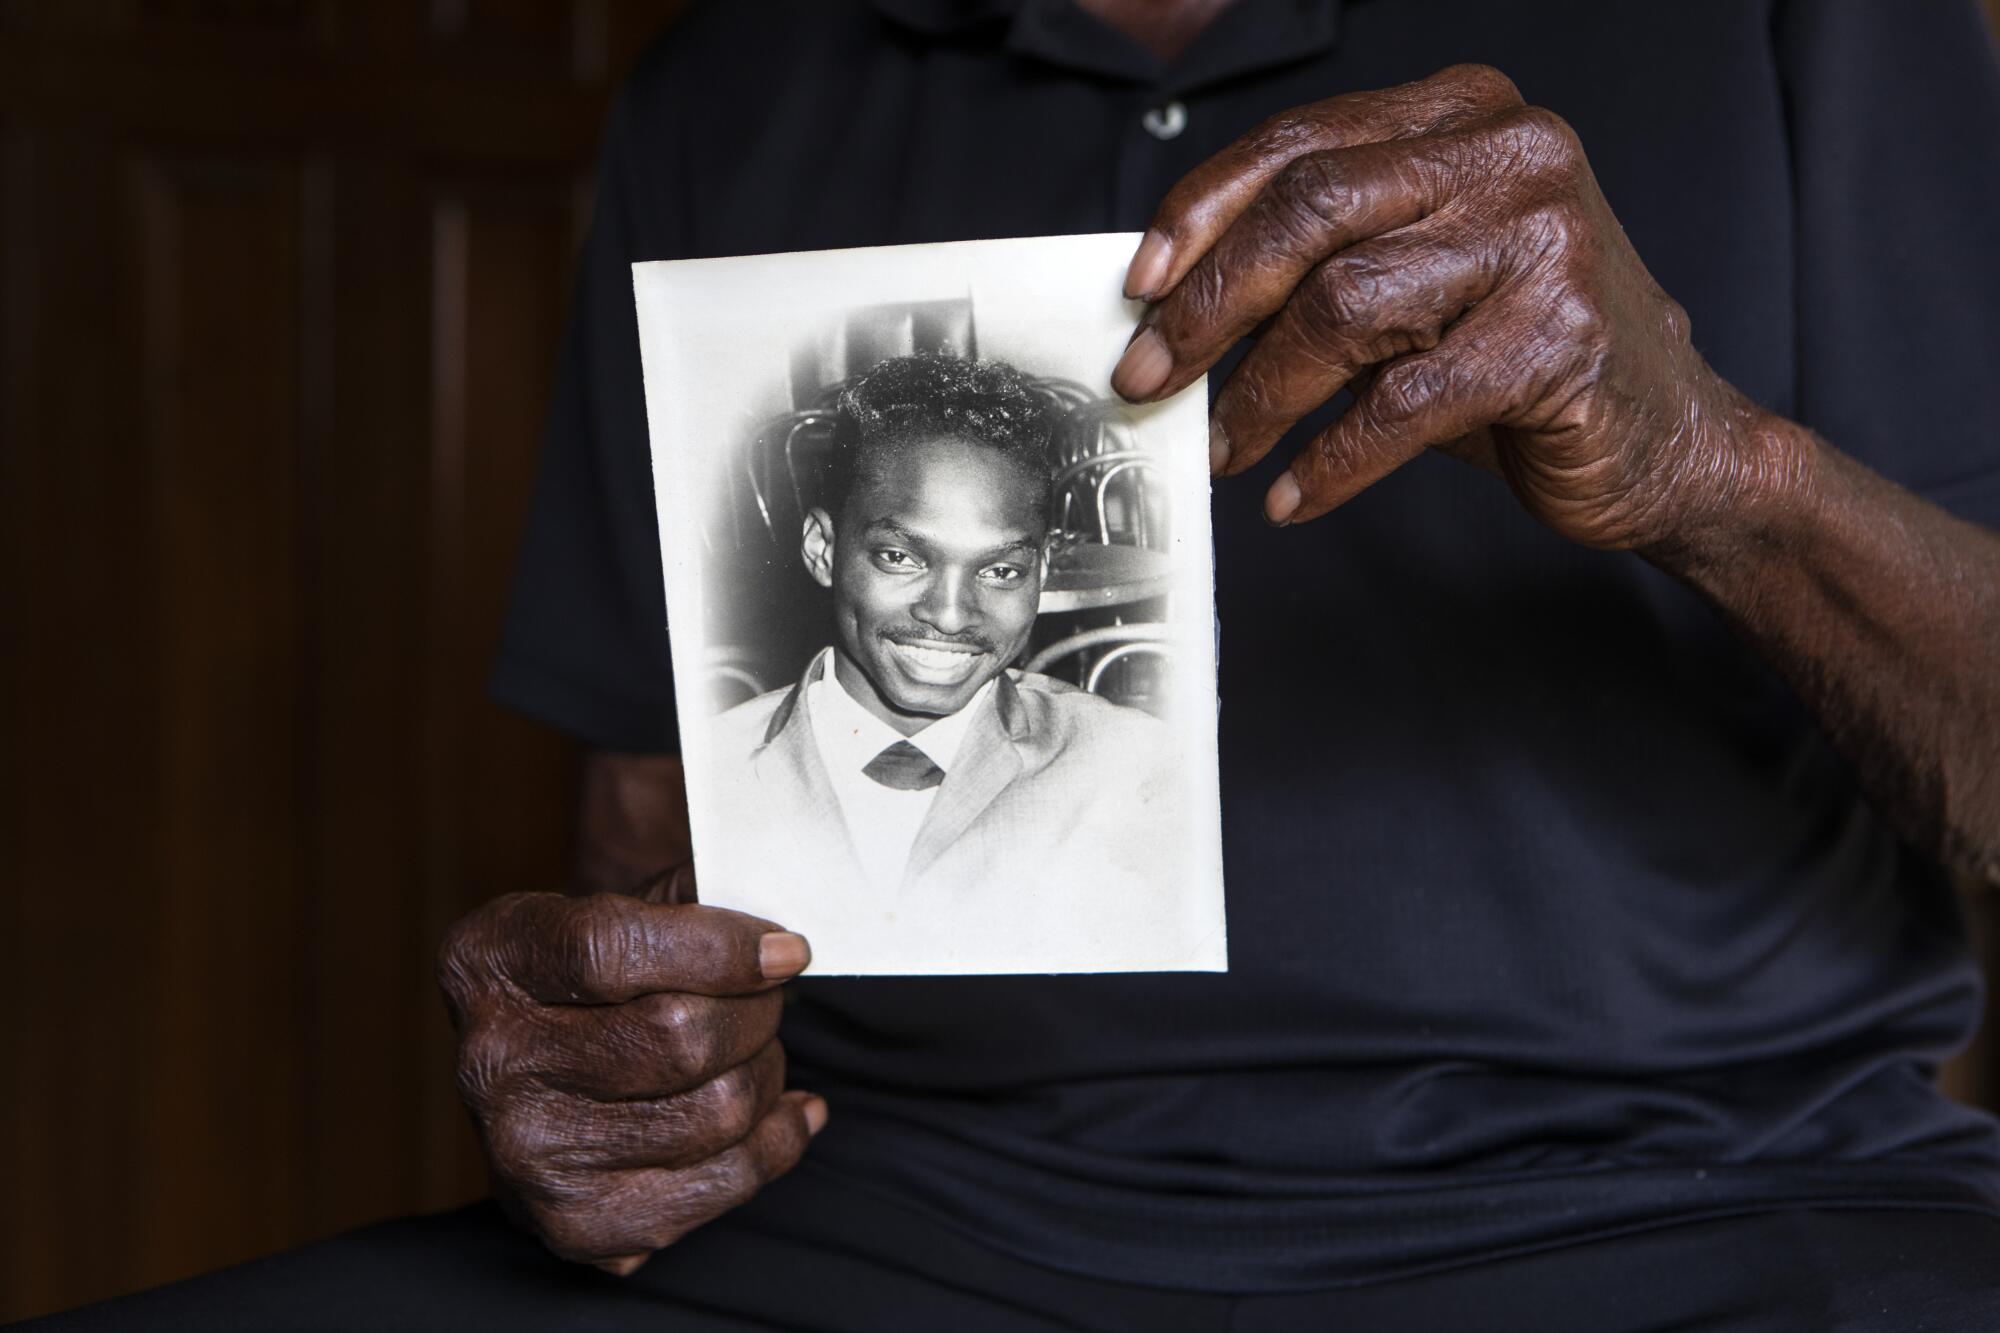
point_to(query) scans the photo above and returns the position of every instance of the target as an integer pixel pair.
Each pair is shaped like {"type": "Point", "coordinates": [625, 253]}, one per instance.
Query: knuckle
{"type": "Point", "coordinates": [1574, 318]}
{"type": "Point", "coordinates": [1674, 322]}
{"type": "Point", "coordinates": [734, 1177]}
{"type": "Point", "coordinates": [518, 1145]}
{"type": "Point", "coordinates": [1196, 302]}
{"type": "Point", "coordinates": [735, 1118]}
{"type": "Point", "coordinates": [698, 1194]}
{"type": "Point", "coordinates": [1404, 390]}
{"type": "Point", "coordinates": [1289, 133]}
{"type": "Point", "coordinates": [1343, 297]}
{"type": "Point", "coordinates": [726, 1105]}
{"type": "Point", "coordinates": [1251, 395]}
{"type": "Point", "coordinates": [1480, 85]}
{"type": "Point", "coordinates": [1313, 194]}
{"type": "Point", "coordinates": [465, 963]}
{"type": "Point", "coordinates": [1549, 228]}
{"type": "Point", "coordinates": [676, 1015]}
{"type": "Point", "coordinates": [596, 946]}
{"type": "Point", "coordinates": [575, 1231]}
{"type": "Point", "coordinates": [1542, 138]}
{"type": "Point", "coordinates": [485, 1060]}
{"type": "Point", "coordinates": [1332, 464]}
{"type": "Point", "coordinates": [681, 1032]}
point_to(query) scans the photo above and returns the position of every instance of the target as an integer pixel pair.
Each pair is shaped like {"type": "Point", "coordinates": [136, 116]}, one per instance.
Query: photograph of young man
{"type": "Point", "coordinates": [910, 767]}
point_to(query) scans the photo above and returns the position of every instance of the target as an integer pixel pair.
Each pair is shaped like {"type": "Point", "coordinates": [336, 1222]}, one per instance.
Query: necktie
{"type": "Point", "coordinates": [904, 767]}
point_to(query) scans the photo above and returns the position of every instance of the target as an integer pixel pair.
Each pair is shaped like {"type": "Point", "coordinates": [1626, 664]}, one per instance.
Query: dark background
{"type": "Point", "coordinates": [280, 287]}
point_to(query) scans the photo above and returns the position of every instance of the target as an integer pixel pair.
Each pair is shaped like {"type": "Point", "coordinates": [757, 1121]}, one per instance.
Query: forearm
{"type": "Point", "coordinates": [632, 822]}
{"type": "Point", "coordinates": [1883, 612]}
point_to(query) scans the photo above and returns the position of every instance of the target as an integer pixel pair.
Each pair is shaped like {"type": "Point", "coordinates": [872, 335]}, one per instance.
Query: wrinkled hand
{"type": "Point", "coordinates": [622, 1062]}
{"type": "Point", "coordinates": [1444, 250]}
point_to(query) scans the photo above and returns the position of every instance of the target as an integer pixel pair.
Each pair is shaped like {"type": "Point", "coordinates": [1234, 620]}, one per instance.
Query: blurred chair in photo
{"type": "Point", "coordinates": [1106, 607]}
{"type": "Point", "coordinates": [1126, 663]}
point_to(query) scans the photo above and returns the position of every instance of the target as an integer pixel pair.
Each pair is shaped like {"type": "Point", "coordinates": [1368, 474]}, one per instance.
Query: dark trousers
{"type": "Point", "coordinates": [813, 1253]}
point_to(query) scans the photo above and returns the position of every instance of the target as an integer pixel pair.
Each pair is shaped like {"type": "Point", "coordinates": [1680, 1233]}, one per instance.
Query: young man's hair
{"type": "Point", "coordinates": [910, 401]}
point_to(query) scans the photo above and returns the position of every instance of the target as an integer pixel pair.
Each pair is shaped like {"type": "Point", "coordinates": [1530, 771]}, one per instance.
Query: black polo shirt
{"type": "Point", "coordinates": [1551, 912]}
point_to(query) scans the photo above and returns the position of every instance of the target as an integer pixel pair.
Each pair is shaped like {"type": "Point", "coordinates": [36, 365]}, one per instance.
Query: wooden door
{"type": "Point", "coordinates": [280, 287]}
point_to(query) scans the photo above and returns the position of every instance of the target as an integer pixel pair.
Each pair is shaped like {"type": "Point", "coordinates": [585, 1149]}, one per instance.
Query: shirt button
{"type": "Point", "coordinates": [1165, 122]}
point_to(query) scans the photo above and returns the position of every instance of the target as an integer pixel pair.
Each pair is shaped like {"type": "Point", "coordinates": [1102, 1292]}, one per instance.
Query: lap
{"type": "Point", "coordinates": [814, 1252]}
{"type": "Point", "coordinates": [1791, 1271]}
{"type": "Point", "coordinates": [807, 1253]}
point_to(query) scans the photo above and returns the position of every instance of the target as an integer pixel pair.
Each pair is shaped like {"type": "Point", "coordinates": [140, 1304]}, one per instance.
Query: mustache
{"type": "Point", "coordinates": [919, 634]}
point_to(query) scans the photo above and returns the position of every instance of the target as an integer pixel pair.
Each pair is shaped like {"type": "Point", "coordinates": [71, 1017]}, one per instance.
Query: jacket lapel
{"type": "Point", "coordinates": [789, 768]}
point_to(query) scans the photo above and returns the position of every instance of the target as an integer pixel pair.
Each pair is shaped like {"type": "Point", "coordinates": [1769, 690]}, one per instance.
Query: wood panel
{"type": "Point", "coordinates": [280, 289]}
{"type": "Point", "coordinates": [499, 259]}
{"type": "Point", "coordinates": [19, 366]}
{"type": "Point", "coordinates": [84, 704]}
{"type": "Point", "coordinates": [523, 35]}
{"type": "Point", "coordinates": [217, 284]}
{"type": "Point", "coordinates": [365, 440]}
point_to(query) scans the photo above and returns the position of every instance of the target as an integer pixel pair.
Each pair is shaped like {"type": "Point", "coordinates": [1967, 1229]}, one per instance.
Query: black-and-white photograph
{"type": "Point", "coordinates": [942, 607]}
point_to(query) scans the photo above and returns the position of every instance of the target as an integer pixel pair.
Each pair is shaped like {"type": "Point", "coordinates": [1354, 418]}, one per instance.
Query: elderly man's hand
{"type": "Point", "coordinates": [621, 1059]}
{"type": "Point", "coordinates": [1444, 250]}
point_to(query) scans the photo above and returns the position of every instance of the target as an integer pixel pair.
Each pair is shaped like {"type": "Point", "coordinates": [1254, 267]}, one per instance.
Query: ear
{"type": "Point", "coordinates": [1048, 555]}
{"type": "Point", "coordinates": [816, 546]}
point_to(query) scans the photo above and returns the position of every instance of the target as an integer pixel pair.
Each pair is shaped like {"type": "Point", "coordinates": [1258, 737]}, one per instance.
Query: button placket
{"type": "Point", "coordinates": [1148, 163]}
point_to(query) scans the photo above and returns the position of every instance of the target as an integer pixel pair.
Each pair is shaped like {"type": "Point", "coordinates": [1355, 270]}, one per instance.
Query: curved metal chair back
{"type": "Point", "coordinates": [1103, 658]}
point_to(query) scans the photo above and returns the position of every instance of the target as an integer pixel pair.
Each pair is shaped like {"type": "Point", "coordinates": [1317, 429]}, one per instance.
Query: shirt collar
{"type": "Point", "coordinates": [1248, 36]}
{"type": "Point", "coordinates": [852, 736]}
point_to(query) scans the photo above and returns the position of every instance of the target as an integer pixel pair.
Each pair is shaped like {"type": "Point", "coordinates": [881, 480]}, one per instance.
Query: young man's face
{"type": "Point", "coordinates": [936, 573]}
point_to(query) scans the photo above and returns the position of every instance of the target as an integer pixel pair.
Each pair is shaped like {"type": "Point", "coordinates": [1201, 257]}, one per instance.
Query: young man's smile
{"type": "Point", "coordinates": [937, 661]}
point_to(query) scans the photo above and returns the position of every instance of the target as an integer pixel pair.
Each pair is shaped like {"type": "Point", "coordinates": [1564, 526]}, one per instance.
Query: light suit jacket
{"type": "Point", "coordinates": [1053, 840]}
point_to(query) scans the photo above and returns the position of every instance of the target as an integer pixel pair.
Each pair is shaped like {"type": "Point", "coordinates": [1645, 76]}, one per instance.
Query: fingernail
{"type": "Point", "coordinates": [1282, 501]}
{"type": "Point", "coordinates": [1218, 448]}
{"type": "Point", "coordinates": [1144, 367]}
{"type": "Point", "coordinates": [815, 1115]}
{"type": "Point", "coordinates": [782, 954]}
{"type": "Point", "coordinates": [624, 1266]}
{"type": "Point", "coordinates": [1149, 267]}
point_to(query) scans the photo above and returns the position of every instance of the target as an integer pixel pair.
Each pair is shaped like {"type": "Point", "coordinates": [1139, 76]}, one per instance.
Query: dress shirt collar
{"type": "Point", "coordinates": [851, 736]}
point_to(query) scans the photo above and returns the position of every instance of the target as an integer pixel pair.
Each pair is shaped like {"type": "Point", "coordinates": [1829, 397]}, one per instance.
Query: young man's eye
{"type": "Point", "coordinates": [1006, 575]}
{"type": "Point", "coordinates": [891, 558]}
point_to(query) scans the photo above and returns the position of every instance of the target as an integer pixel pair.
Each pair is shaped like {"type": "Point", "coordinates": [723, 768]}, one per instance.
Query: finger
{"type": "Point", "coordinates": [609, 948]}
{"type": "Point", "coordinates": [1479, 448]}
{"type": "Point", "coordinates": [542, 1143]}
{"type": "Point", "coordinates": [698, 1124]}
{"type": "Point", "coordinates": [655, 1046]}
{"type": "Point", "coordinates": [1318, 205]}
{"type": "Point", "coordinates": [559, 1136]}
{"type": "Point", "coordinates": [1370, 303]}
{"type": "Point", "coordinates": [1411, 404]}
{"type": "Point", "coordinates": [657, 1206]}
{"type": "Point", "coordinates": [1202, 205]}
